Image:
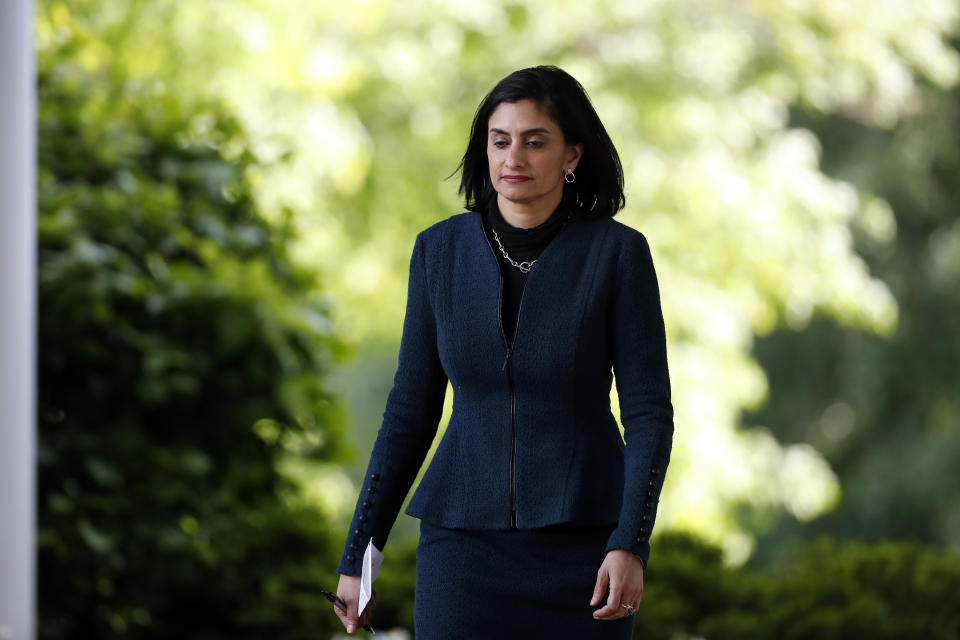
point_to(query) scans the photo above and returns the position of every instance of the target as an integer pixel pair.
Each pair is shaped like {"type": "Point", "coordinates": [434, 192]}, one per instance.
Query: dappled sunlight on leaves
{"type": "Point", "coordinates": [355, 117]}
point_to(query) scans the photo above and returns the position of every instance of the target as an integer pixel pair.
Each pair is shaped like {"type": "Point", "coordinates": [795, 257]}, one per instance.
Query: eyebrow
{"type": "Point", "coordinates": [527, 132]}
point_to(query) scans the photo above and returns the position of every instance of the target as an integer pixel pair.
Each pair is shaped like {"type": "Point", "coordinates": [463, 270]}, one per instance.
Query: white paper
{"type": "Point", "coordinates": [372, 559]}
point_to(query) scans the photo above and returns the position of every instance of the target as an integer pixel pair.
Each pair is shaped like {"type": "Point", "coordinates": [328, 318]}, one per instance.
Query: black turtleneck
{"type": "Point", "coordinates": [522, 245]}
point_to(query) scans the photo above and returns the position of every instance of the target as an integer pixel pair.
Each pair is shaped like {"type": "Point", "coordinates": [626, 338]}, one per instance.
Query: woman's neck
{"type": "Point", "coordinates": [526, 215]}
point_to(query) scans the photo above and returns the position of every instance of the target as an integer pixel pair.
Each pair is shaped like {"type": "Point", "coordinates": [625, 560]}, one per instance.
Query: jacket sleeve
{"type": "Point", "coordinates": [410, 420]}
{"type": "Point", "coordinates": [643, 386]}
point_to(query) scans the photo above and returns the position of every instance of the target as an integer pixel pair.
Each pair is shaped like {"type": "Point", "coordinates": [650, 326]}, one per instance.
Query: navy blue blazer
{"type": "Point", "coordinates": [531, 440]}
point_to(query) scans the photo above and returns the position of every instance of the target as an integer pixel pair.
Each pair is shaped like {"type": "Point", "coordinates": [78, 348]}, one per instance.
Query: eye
{"type": "Point", "coordinates": [535, 144]}
{"type": "Point", "coordinates": [500, 143]}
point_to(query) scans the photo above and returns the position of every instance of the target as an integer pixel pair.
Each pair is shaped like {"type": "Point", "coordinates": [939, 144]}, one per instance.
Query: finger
{"type": "Point", "coordinates": [632, 600]}
{"type": "Point", "coordinates": [341, 614]}
{"type": "Point", "coordinates": [352, 617]}
{"type": "Point", "coordinates": [600, 587]}
{"type": "Point", "coordinates": [344, 596]}
{"type": "Point", "coordinates": [612, 610]}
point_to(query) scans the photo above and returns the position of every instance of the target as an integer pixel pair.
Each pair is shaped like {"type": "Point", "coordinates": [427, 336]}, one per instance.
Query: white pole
{"type": "Point", "coordinates": [17, 321]}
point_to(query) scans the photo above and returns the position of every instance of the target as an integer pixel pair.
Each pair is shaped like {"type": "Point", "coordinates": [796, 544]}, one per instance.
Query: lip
{"type": "Point", "coordinates": [515, 178]}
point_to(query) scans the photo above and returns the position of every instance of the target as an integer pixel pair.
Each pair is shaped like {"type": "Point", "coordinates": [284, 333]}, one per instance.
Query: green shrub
{"type": "Point", "coordinates": [821, 589]}
{"type": "Point", "coordinates": [181, 358]}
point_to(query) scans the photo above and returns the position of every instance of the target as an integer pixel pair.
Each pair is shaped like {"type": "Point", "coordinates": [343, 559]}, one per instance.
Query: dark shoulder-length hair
{"type": "Point", "coordinates": [598, 188]}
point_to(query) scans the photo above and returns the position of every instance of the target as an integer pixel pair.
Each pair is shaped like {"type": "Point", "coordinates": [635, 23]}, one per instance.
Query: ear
{"type": "Point", "coordinates": [572, 157]}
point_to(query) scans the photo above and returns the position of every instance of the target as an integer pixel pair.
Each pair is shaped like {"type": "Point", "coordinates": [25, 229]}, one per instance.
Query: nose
{"type": "Point", "coordinates": [515, 155]}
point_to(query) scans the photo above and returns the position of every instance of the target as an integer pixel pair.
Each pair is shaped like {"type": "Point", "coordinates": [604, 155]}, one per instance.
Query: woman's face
{"type": "Point", "coordinates": [527, 154]}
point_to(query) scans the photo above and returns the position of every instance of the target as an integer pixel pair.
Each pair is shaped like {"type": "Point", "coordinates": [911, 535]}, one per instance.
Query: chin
{"type": "Point", "coordinates": [518, 192]}
{"type": "Point", "coordinates": [519, 199]}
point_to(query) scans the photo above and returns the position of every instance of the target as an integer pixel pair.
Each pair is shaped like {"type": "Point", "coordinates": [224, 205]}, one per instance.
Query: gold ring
{"type": "Point", "coordinates": [629, 609]}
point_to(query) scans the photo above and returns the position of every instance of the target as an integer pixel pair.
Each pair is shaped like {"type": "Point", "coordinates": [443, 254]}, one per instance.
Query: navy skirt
{"type": "Point", "coordinates": [533, 583]}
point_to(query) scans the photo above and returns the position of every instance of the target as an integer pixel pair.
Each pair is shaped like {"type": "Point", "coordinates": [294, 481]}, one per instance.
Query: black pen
{"type": "Point", "coordinates": [337, 602]}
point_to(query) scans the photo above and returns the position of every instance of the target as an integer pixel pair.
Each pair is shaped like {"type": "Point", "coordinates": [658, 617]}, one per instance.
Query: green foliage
{"type": "Point", "coordinates": [182, 351]}
{"type": "Point", "coordinates": [822, 589]}
{"type": "Point", "coordinates": [748, 232]}
{"type": "Point", "coordinates": [182, 356]}
{"type": "Point", "coordinates": [885, 412]}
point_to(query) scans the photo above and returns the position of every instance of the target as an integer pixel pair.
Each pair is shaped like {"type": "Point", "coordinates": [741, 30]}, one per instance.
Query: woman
{"type": "Point", "coordinates": [535, 514]}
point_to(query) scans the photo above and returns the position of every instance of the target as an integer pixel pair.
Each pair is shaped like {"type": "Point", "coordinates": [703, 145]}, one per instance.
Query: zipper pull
{"type": "Point", "coordinates": [506, 360]}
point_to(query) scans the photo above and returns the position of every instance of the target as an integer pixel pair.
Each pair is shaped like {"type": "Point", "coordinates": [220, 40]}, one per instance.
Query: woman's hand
{"type": "Point", "coordinates": [349, 591]}
{"type": "Point", "coordinates": [623, 573]}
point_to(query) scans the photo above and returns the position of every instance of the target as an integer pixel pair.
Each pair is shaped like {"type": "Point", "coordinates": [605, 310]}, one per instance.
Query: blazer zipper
{"type": "Point", "coordinates": [506, 361]}
{"type": "Point", "coordinates": [513, 412]}
{"type": "Point", "coordinates": [513, 402]}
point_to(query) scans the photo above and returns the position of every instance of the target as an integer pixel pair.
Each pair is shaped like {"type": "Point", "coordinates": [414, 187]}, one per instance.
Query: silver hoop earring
{"type": "Point", "coordinates": [569, 177]}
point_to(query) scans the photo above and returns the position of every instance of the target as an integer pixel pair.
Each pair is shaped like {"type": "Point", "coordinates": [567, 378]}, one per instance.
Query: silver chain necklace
{"type": "Point", "coordinates": [524, 266]}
